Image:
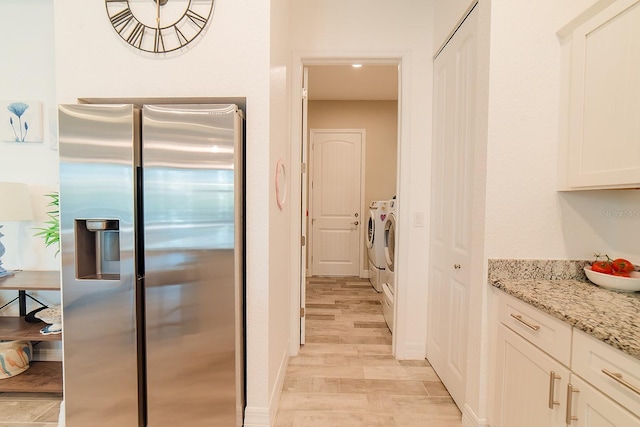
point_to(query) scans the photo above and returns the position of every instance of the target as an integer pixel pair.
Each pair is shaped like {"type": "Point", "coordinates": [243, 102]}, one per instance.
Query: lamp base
{"type": "Point", "coordinates": [3, 271]}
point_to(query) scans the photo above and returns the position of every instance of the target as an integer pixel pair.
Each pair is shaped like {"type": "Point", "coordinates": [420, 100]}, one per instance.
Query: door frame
{"type": "Point", "coordinates": [300, 169]}
{"type": "Point", "coordinates": [361, 232]}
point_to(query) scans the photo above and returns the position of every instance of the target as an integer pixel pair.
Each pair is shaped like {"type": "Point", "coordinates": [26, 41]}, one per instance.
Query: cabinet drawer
{"type": "Point", "coordinates": [593, 359]}
{"type": "Point", "coordinates": [551, 335]}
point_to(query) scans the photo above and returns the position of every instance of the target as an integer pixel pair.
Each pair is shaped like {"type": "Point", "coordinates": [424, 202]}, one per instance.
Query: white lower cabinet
{"type": "Point", "coordinates": [590, 408]}
{"type": "Point", "coordinates": [531, 386]}
{"type": "Point", "coordinates": [543, 388]}
{"type": "Point", "coordinates": [614, 373]}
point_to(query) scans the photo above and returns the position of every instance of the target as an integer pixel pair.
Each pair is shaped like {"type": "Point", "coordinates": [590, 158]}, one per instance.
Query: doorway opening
{"type": "Point", "coordinates": [338, 102]}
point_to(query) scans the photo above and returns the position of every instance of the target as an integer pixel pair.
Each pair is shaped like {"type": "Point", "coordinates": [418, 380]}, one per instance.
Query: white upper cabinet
{"type": "Point", "coordinates": [602, 119]}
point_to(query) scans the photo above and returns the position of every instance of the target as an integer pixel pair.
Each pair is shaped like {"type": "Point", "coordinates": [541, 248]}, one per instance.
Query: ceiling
{"type": "Point", "coordinates": [344, 82]}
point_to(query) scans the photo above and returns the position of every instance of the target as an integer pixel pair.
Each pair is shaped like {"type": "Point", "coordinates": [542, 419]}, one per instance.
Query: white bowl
{"type": "Point", "coordinates": [618, 283]}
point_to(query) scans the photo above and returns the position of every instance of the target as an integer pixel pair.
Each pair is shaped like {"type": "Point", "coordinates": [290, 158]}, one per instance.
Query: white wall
{"type": "Point", "coordinates": [281, 235]}
{"type": "Point", "coordinates": [27, 53]}
{"type": "Point", "coordinates": [526, 216]}
{"type": "Point", "coordinates": [373, 29]}
{"type": "Point", "coordinates": [448, 13]}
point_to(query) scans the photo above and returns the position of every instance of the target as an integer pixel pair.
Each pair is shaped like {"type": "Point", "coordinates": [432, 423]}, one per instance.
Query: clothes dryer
{"type": "Point", "coordinates": [389, 285]}
{"type": "Point", "coordinates": [375, 242]}
{"type": "Point", "coordinates": [389, 241]}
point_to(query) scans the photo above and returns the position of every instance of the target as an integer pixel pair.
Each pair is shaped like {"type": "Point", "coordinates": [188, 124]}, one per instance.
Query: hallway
{"type": "Point", "coordinates": [346, 376]}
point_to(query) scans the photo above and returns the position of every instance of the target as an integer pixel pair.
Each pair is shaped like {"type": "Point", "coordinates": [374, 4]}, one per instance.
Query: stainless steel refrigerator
{"type": "Point", "coordinates": [152, 265]}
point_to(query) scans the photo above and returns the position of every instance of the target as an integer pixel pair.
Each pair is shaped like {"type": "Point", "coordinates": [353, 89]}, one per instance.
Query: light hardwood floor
{"type": "Point", "coordinates": [345, 374]}
{"type": "Point", "coordinates": [29, 409]}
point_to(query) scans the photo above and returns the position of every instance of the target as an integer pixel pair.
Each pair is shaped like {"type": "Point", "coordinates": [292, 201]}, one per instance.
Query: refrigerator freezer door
{"type": "Point", "coordinates": [97, 157]}
{"type": "Point", "coordinates": [190, 161]}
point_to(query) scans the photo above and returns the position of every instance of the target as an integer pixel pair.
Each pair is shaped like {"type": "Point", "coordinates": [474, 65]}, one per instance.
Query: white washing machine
{"type": "Point", "coordinates": [375, 242]}
{"type": "Point", "coordinates": [389, 285]}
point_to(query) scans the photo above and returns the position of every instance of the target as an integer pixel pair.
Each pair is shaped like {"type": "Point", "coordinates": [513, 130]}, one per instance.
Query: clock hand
{"type": "Point", "coordinates": [158, 14]}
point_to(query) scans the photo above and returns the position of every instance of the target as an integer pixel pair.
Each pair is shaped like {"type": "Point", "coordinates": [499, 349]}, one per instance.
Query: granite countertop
{"type": "Point", "coordinates": [560, 289]}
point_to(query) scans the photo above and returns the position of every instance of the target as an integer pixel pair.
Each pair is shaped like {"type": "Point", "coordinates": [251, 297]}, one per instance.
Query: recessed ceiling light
{"type": "Point", "coordinates": [356, 65]}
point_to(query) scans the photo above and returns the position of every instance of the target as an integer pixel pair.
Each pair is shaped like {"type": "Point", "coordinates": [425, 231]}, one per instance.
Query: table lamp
{"type": "Point", "coordinates": [15, 205]}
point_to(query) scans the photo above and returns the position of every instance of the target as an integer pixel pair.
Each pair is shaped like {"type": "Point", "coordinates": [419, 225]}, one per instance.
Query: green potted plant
{"type": "Point", "coordinates": [51, 233]}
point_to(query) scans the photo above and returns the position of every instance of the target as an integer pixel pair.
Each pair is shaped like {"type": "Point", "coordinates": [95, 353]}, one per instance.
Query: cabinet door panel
{"type": "Point", "coordinates": [590, 408]}
{"type": "Point", "coordinates": [603, 127]}
{"type": "Point", "coordinates": [523, 384]}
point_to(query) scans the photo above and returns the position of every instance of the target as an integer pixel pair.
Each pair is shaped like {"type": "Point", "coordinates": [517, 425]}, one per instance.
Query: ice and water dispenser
{"type": "Point", "coordinates": [97, 249]}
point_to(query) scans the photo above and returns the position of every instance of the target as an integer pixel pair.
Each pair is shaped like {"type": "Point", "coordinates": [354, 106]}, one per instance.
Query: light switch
{"type": "Point", "coordinates": [418, 219]}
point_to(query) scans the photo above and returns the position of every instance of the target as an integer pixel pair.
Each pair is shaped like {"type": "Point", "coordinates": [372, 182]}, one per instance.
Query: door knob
{"type": "Point", "coordinates": [355, 223]}
{"type": "Point", "coordinates": [457, 266]}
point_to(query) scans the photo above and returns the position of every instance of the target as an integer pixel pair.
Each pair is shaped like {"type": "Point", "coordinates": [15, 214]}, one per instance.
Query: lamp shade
{"type": "Point", "coordinates": [15, 202]}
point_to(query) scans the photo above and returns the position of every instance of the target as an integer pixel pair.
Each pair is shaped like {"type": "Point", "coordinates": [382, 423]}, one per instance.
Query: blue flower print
{"type": "Point", "coordinates": [18, 108]}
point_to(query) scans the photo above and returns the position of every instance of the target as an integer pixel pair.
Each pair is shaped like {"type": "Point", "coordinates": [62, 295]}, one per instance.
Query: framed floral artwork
{"type": "Point", "coordinates": [21, 121]}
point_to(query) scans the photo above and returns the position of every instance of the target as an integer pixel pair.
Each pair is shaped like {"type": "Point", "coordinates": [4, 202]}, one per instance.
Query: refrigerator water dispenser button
{"type": "Point", "coordinates": [102, 224]}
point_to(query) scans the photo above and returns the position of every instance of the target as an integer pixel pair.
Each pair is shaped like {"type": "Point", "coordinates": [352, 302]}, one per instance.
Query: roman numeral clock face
{"type": "Point", "coordinates": [159, 26]}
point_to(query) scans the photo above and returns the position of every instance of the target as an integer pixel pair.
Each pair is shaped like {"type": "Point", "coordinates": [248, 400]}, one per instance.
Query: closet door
{"type": "Point", "coordinates": [452, 173]}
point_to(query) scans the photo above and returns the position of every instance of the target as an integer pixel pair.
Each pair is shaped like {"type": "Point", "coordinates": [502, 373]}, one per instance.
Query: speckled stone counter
{"type": "Point", "coordinates": [561, 289]}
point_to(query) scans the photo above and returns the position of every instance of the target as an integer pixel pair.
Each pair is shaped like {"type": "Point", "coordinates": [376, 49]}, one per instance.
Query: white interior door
{"type": "Point", "coordinates": [336, 201]}
{"type": "Point", "coordinates": [449, 272]}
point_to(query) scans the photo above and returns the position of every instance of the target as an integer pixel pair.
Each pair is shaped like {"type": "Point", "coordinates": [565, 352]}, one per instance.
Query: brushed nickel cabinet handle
{"type": "Point", "coordinates": [524, 322]}
{"type": "Point", "coordinates": [618, 377]}
{"type": "Point", "coordinates": [570, 390]}
{"type": "Point", "coordinates": [552, 382]}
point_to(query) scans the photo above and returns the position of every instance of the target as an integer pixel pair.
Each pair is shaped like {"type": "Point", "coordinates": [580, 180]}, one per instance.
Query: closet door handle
{"type": "Point", "coordinates": [552, 382]}
{"type": "Point", "coordinates": [570, 390]}
{"type": "Point", "coordinates": [524, 322]}
{"type": "Point", "coordinates": [618, 377]}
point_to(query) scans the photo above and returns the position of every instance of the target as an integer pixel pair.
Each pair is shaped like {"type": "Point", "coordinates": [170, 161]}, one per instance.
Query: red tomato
{"type": "Point", "coordinates": [602, 267]}
{"type": "Point", "coordinates": [622, 265]}
{"type": "Point", "coordinates": [621, 273]}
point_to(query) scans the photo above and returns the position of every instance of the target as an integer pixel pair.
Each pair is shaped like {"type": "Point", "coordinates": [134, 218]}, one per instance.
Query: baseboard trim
{"type": "Point", "coordinates": [265, 417]}
{"type": "Point", "coordinates": [411, 351]}
{"type": "Point", "coordinates": [277, 387]}
{"type": "Point", "coordinates": [256, 417]}
{"type": "Point", "coordinates": [470, 419]}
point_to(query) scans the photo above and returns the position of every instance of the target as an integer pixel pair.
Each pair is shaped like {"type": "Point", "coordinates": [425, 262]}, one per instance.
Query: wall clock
{"type": "Point", "coordinates": [159, 26]}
